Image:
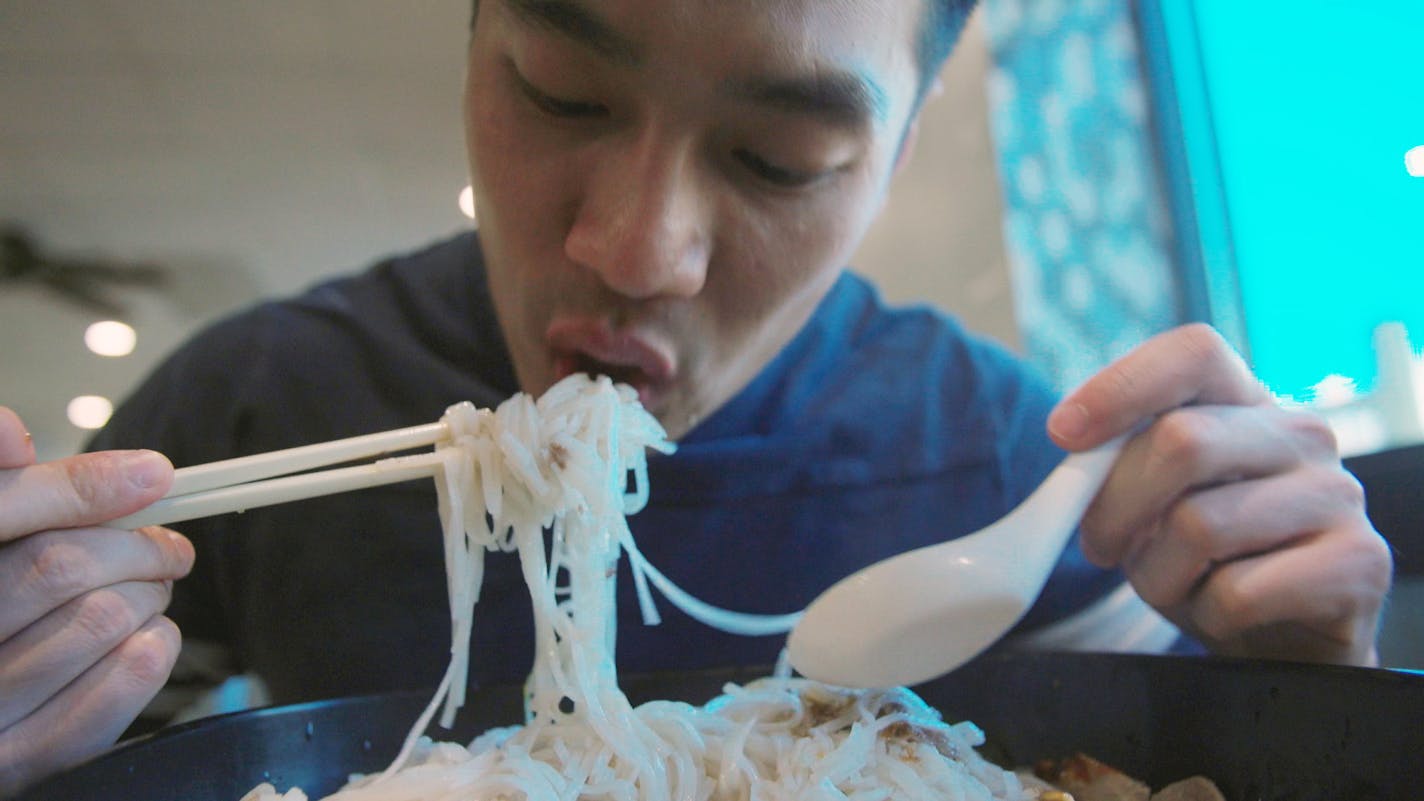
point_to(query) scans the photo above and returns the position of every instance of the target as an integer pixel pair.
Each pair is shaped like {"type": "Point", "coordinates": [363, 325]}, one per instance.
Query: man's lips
{"type": "Point", "coordinates": [591, 345]}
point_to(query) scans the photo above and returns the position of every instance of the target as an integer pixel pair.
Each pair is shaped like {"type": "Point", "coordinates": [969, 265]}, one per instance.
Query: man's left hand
{"type": "Point", "coordinates": [1231, 515]}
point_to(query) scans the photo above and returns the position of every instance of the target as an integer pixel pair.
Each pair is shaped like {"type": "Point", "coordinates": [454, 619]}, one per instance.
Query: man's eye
{"type": "Point", "coordinates": [776, 174]}
{"type": "Point", "coordinates": [558, 107]}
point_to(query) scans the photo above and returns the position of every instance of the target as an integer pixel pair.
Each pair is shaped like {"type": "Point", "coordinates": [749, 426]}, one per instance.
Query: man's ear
{"type": "Point", "coordinates": [902, 157]}
{"type": "Point", "coordinates": [912, 130]}
{"type": "Point", "coordinates": [907, 145]}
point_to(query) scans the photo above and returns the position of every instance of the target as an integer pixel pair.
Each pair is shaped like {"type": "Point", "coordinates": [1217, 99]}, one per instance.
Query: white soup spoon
{"type": "Point", "coordinates": [922, 613]}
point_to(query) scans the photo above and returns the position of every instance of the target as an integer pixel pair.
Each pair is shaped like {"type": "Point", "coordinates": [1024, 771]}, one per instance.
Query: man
{"type": "Point", "coordinates": [667, 192]}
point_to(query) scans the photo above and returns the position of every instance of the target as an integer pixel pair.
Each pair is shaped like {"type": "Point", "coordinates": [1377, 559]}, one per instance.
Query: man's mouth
{"type": "Point", "coordinates": [591, 346]}
{"type": "Point", "coordinates": [631, 375]}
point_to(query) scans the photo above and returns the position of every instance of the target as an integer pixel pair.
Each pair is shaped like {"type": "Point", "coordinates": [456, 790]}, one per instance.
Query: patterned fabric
{"type": "Point", "coordinates": [1086, 223]}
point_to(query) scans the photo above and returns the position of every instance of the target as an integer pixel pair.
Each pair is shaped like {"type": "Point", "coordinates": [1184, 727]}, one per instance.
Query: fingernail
{"type": "Point", "coordinates": [1069, 421]}
{"type": "Point", "coordinates": [144, 469]}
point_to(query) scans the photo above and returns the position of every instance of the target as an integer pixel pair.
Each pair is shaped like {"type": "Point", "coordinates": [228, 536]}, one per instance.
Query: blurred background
{"type": "Point", "coordinates": [245, 150]}
{"type": "Point", "coordinates": [1092, 173]}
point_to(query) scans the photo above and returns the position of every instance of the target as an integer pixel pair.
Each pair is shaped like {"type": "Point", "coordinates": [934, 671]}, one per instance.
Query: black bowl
{"type": "Point", "coordinates": [1261, 730]}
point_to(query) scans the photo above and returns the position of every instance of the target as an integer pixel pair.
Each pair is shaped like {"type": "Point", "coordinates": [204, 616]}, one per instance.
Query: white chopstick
{"type": "Point", "coordinates": [234, 485]}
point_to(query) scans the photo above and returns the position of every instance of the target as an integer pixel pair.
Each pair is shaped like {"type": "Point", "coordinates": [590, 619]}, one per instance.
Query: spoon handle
{"type": "Point", "coordinates": [1052, 512]}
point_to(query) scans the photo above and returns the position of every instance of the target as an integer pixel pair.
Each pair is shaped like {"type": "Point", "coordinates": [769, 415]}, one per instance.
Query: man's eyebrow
{"type": "Point", "coordinates": [579, 24]}
{"type": "Point", "coordinates": [844, 98]}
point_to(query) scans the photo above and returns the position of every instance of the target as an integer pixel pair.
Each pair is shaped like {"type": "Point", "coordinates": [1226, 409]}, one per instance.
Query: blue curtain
{"type": "Point", "coordinates": [1086, 222]}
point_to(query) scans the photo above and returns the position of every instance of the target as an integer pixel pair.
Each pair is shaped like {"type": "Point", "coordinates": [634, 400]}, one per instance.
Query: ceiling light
{"type": "Point", "coordinates": [467, 201]}
{"type": "Point", "coordinates": [1414, 161]}
{"type": "Point", "coordinates": [89, 411]}
{"type": "Point", "coordinates": [110, 338]}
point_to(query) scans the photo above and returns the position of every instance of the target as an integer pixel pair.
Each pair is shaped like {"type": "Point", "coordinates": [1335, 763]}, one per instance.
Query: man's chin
{"type": "Point", "coordinates": [677, 418]}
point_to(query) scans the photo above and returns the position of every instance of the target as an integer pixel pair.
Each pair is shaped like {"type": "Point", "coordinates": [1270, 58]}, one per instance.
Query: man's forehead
{"type": "Point", "coordinates": [843, 56]}
{"type": "Point", "coordinates": [873, 41]}
{"type": "Point", "coordinates": [812, 20]}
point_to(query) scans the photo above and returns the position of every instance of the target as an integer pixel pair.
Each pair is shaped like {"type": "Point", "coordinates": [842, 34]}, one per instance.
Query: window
{"type": "Point", "coordinates": [1289, 129]}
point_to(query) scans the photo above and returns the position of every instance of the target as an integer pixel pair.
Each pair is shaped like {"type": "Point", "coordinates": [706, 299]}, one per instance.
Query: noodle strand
{"type": "Point", "coordinates": [573, 464]}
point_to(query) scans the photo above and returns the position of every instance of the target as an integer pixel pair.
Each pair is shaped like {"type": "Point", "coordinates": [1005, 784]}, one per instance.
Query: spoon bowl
{"type": "Point", "coordinates": [922, 613]}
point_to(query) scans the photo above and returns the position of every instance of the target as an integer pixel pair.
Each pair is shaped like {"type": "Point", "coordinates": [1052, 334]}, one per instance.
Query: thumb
{"type": "Point", "coordinates": [1189, 365]}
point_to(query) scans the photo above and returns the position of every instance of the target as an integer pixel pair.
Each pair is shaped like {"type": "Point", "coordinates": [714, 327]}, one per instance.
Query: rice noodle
{"type": "Point", "coordinates": [563, 465]}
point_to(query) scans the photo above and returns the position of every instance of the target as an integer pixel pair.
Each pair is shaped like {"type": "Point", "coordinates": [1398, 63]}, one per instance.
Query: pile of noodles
{"type": "Point", "coordinates": [564, 465]}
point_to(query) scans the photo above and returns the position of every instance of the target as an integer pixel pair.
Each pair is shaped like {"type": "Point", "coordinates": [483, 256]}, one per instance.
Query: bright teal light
{"type": "Point", "coordinates": [1315, 104]}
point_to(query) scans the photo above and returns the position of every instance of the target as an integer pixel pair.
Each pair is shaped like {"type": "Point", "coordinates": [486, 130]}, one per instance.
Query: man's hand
{"type": "Point", "coordinates": [1230, 515]}
{"type": "Point", "coordinates": [83, 642]}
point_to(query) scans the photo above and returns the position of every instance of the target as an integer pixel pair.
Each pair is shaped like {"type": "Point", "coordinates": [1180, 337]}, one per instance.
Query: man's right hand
{"type": "Point", "coordinates": [84, 644]}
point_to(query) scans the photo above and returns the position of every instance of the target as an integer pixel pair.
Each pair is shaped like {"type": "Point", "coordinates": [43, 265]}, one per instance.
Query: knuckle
{"type": "Point", "coordinates": [59, 571]}
{"type": "Point", "coordinates": [1376, 562]}
{"type": "Point", "coordinates": [1365, 574]}
{"type": "Point", "coordinates": [1236, 610]}
{"type": "Point", "coordinates": [149, 654]}
{"type": "Point", "coordinates": [108, 615]}
{"type": "Point", "coordinates": [1210, 357]}
{"type": "Point", "coordinates": [104, 616]}
{"type": "Point", "coordinates": [1157, 594]}
{"type": "Point", "coordinates": [1203, 341]}
{"type": "Point", "coordinates": [1196, 527]}
{"type": "Point", "coordinates": [1210, 629]}
{"type": "Point", "coordinates": [85, 481]}
{"type": "Point", "coordinates": [1343, 486]}
{"type": "Point", "coordinates": [1205, 347]}
{"type": "Point", "coordinates": [1182, 438]}
{"type": "Point", "coordinates": [1312, 432]}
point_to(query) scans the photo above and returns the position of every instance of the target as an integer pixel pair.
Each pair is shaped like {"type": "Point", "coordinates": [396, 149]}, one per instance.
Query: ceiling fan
{"type": "Point", "coordinates": [88, 283]}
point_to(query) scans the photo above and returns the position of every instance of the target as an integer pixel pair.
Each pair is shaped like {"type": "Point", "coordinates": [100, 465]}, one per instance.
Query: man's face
{"type": "Point", "coordinates": [667, 188]}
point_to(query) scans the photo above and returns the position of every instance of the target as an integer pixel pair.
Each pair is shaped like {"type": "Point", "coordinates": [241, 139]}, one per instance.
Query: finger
{"type": "Point", "coordinates": [83, 490]}
{"type": "Point", "coordinates": [1319, 601]}
{"type": "Point", "coordinates": [17, 447]}
{"type": "Point", "coordinates": [1188, 365]}
{"type": "Point", "coordinates": [92, 712]}
{"type": "Point", "coordinates": [1238, 520]}
{"type": "Point", "coordinates": [42, 572]}
{"type": "Point", "coordinates": [1188, 449]}
{"type": "Point", "coordinates": [48, 655]}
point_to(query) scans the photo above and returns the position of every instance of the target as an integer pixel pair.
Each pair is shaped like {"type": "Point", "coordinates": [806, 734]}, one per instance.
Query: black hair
{"type": "Point", "coordinates": [943, 22]}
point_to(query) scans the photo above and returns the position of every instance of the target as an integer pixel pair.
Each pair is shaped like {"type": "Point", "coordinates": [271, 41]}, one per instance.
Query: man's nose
{"type": "Point", "coordinates": [643, 222]}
